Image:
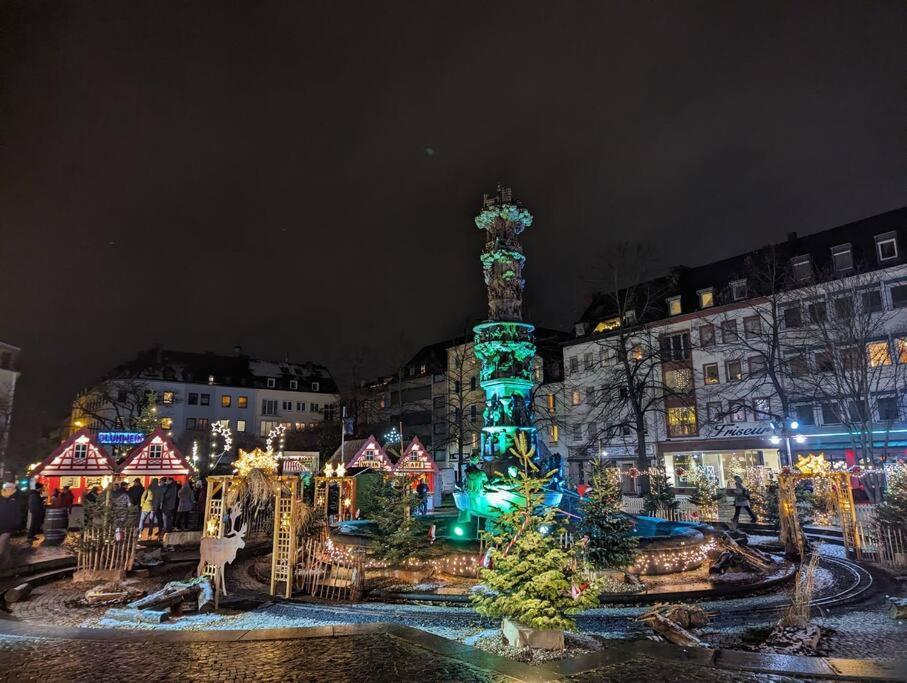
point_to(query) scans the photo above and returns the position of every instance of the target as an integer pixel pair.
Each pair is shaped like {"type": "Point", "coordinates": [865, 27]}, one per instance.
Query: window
{"type": "Point", "coordinates": [294, 384]}
{"type": "Point", "coordinates": [738, 412]}
{"type": "Point", "coordinates": [242, 401]}
{"type": "Point", "coordinates": [734, 369]}
{"type": "Point", "coordinates": [271, 382]}
{"type": "Point", "coordinates": [902, 349]}
{"type": "Point", "coordinates": [167, 398]}
{"type": "Point", "coordinates": [206, 399]}
{"type": "Point", "coordinates": [226, 401]}
{"type": "Point", "coordinates": [193, 400]}
{"type": "Point", "coordinates": [752, 326]}
{"type": "Point", "coordinates": [316, 386]}
{"type": "Point", "coordinates": [578, 432]}
{"type": "Point", "coordinates": [852, 358]}
{"type": "Point", "coordinates": [437, 377]}
{"type": "Point", "coordinates": [473, 383]}
{"type": "Point", "coordinates": [438, 402]}
{"type": "Point", "coordinates": [554, 433]}
{"type": "Point", "coordinates": [590, 395]}
{"type": "Point", "coordinates": [166, 423]}
{"type": "Point", "coordinates": [473, 413]}
{"type": "Point", "coordinates": [674, 307]}
{"type": "Point", "coordinates": [706, 297]}
{"type": "Point", "coordinates": [738, 290]}
{"type": "Point", "coordinates": [756, 366]}
{"type": "Point", "coordinates": [706, 335]}
{"type": "Point", "coordinates": [551, 399]}
{"type": "Point", "coordinates": [80, 451]}
{"type": "Point", "coordinates": [676, 347]}
{"type": "Point", "coordinates": [240, 426]}
{"type": "Point", "coordinates": [729, 332]}
{"type": "Point", "coordinates": [887, 246]}
{"type": "Point", "coordinates": [438, 428]}
{"type": "Point", "coordinates": [422, 368]}
{"type": "Point", "coordinates": [831, 413]}
{"type": "Point", "coordinates": [713, 412]}
{"type": "Point", "coordinates": [411, 371]}
{"type": "Point", "coordinates": [899, 296]}
{"type": "Point", "coordinates": [636, 352]}
{"type": "Point", "coordinates": [191, 423]}
{"type": "Point", "coordinates": [682, 421]}
{"type": "Point", "coordinates": [877, 353]}
{"type": "Point", "coordinates": [606, 325]}
{"type": "Point", "coordinates": [818, 312]}
{"type": "Point", "coordinates": [288, 405]}
{"type": "Point", "coordinates": [630, 318]}
{"type": "Point", "coordinates": [802, 268]}
{"type": "Point", "coordinates": [574, 364]}
{"type": "Point", "coordinates": [872, 301]}
{"type": "Point", "coordinates": [710, 373]}
{"type": "Point", "coordinates": [587, 360]}
{"type": "Point", "coordinates": [315, 407]}
{"type": "Point", "coordinates": [793, 317]}
{"type": "Point", "coordinates": [762, 408]}
{"type": "Point", "coordinates": [210, 379]}
{"type": "Point", "coordinates": [268, 406]}
{"type": "Point", "coordinates": [825, 361]}
{"type": "Point", "coordinates": [805, 414]}
{"type": "Point", "coordinates": [887, 407]}
{"type": "Point", "coordinates": [575, 397]}
{"type": "Point", "coordinates": [843, 307]}
{"type": "Point", "coordinates": [680, 380]}
{"type": "Point", "coordinates": [156, 450]}
{"type": "Point", "coordinates": [591, 430]}
{"type": "Point", "coordinates": [798, 366]}
{"type": "Point", "coordinates": [842, 258]}
{"type": "Point", "coordinates": [300, 406]}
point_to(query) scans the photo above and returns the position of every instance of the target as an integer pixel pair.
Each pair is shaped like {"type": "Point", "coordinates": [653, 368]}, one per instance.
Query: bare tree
{"type": "Point", "coordinates": [462, 405]}
{"type": "Point", "coordinates": [112, 404]}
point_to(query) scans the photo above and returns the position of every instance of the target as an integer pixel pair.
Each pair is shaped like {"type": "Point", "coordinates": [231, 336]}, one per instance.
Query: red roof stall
{"type": "Point", "coordinates": [79, 462]}
{"type": "Point", "coordinates": [371, 454]}
{"type": "Point", "coordinates": [156, 456]}
{"type": "Point", "coordinates": [416, 461]}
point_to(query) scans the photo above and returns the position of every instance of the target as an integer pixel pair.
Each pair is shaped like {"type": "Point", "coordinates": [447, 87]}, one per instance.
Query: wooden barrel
{"type": "Point", "coordinates": [55, 523]}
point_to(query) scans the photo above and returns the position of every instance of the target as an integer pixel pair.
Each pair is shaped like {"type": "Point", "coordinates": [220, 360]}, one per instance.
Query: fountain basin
{"type": "Point", "coordinates": [666, 547]}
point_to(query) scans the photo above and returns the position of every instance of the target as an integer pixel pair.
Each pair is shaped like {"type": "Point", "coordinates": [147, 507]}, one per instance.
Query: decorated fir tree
{"type": "Point", "coordinates": [531, 578]}
{"type": "Point", "coordinates": [606, 528]}
{"type": "Point", "coordinates": [706, 494]}
{"type": "Point", "coordinates": [893, 509]}
{"type": "Point", "coordinates": [147, 420]}
{"type": "Point", "coordinates": [398, 535]}
{"type": "Point", "coordinates": [660, 496]}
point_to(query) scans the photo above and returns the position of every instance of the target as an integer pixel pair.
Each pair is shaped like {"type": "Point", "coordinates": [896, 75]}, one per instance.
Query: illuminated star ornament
{"type": "Point", "coordinates": [255, 460]}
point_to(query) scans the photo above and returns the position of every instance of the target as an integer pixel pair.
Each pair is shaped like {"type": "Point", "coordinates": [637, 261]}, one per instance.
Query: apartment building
{"type": "Point", "coordinates": [799, 347]}
{"type": "Point", "coordinates": [195, 390]}
{"type": "Point", "coordinates": [9, 375]}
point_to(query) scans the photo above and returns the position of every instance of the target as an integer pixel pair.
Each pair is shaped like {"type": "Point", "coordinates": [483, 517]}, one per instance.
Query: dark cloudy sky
{"type": "Point", "coordinates": [301, 177]}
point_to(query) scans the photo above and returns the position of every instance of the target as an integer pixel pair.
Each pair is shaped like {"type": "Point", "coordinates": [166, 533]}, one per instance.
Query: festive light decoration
{"type": "Point", "coordinates": [329, 470]}
{"type": "Point", "coordinates": [277, 433]}
{"type": "Point", "coordinates": [255, 460]}
{"type": "Point", "coordinates": [219, 429]}
{"type": "Point", "coordinates": [341, 470]}
{"type": "Point", "coordinates": [680, 559]}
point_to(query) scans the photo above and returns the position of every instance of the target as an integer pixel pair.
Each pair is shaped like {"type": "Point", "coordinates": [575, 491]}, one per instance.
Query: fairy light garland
{"type": "Point", "coordinates": [278, 433]}
{"type": "Point", "coordinates": [220, 429]}
{"type": "Point", "coordinates": [674, 560]}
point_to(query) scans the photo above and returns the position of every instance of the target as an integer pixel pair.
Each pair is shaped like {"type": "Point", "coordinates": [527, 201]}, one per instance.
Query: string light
{"type": "Point", "coordinates": [254, 460]}
{"type": "Point", "coordinates": [220, 429]}
{"type": "Point", "coordinates": [674, 560]}
{"type": "Point", "coordinates": [279, 433]}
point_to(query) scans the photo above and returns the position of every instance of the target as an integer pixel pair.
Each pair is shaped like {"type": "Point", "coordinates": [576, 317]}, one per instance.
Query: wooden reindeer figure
{"type": "Point", "coordinates": [219, 552]}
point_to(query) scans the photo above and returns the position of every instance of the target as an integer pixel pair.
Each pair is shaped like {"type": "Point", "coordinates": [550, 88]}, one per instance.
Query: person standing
{"type": "Point", "coordinates": [741, 500]}
{"type": "Point", "coordinates": [67, 500]}
{"type": "Point", "coordinates": [157, 502]}
{"type": "Point", "coordinates": [10, 522]}
{"type": "Point", "coordinates": [135, 492]}
{"type": "Point", "coordinates": [148, 515]}
{"type": "Point", "coordinates": [169, 503]}
{"type": "Point", "coordinates": [35, 511]}
{"type": "Point", "coordinates": [186, 501]}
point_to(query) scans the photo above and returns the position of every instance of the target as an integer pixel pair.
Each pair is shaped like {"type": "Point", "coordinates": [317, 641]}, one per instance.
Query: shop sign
{"type": "Point", "coordinates": [120, 438]}
{"type": "Point", "coordinates": [738, 429]}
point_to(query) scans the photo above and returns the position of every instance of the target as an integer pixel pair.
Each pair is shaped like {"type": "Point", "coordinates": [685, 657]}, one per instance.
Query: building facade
{"type": "Point", "coordinates": [797, 348]}
{"type": "Point", "coordinates": [9, 375]}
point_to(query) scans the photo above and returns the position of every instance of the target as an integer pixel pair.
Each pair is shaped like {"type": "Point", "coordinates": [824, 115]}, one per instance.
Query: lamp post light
{"type": "Point", "coordinates": [789, 426]}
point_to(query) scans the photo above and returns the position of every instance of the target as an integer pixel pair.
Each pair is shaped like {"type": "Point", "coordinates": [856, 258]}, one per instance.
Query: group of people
{"type": "Point", "coordinates": [165, 504]}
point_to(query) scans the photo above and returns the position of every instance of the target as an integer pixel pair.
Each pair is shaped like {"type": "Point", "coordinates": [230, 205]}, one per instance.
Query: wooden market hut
{"type": "Point", "coordinates": [79, 462]}
{"type": "Point", "coordinates": [371, 454]}
{"type": "Point", "coordinates": [157, 456]}
{"type": "Point", "coordinates": [417, 461]}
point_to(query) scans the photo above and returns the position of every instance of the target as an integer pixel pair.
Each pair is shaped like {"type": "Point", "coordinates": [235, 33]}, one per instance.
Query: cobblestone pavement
{"type": "Point", "coordinates": [655, 671]}
{"type": "Point", "coordinates": [353, 658]}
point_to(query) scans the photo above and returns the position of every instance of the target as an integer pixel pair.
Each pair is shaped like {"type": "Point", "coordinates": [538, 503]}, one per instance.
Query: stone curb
{"type": "Point", "coordinates": [782, 665]}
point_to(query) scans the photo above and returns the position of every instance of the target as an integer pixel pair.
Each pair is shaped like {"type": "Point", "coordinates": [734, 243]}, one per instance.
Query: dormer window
{"type": "Point", "coordinates": [738, 290]}
{"type": "Point", "coordinates": [271, 382]}
{"type": "Point", "coordinates": [80, 451]}
{"type": "Point", "coordinates": [674, 307]}
{"type": "Point", "coordinates": [887, 246]}
{"type": "Point", "coordinates": [706, 297]}
{"type": "Point", "coordinates": [606, 325]}
{"type": "Point", "coordinates": [802, 268]}
{"type": "Point", "coordinates": [630, 318]}
{"type": "Point", "coordinates": [210, 379]}
{"type": "Point", "coordinates": [294, 384]}
{"type": "Point", "coordinates": [156, 451]}
{"type": "Point", "coordinates": [842, 258]}
{"type": "Point", "coordinates": [315, 386]}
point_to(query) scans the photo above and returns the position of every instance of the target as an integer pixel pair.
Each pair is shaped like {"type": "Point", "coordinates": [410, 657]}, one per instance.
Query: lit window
{"type": "Point", "coordinates": [636, 352]}
{"type": "Point", "coordinates": [576, 398]}
{"type": "Point", "coordinates": [80, 451]}
{"type": "Point", "coordinates": [762, 408]}
{"type": "Point", "coordinates": [674, 307]}
{"type": "Point", "coordinates": [242, 401]}
{"type": "Point", "coordinates": [706, 298]}
{"type": "Point", "coordinates": [802, 268]}
{"type": "Point", "coordinates": [240, 426]}
{"type": "Point", "coordinates": [734, 370]}
{"type": "Point", "coordinates": [554, 433]}
{"type": "Point", "coordinates": [226, 401]}
{"type": "Point", "coordinates": [294, 384]}
{"type": "Point", "coordinates": [877, 353]}
{"type": "Point", "coordinates": [606, 325]}
{"type": "Point", "coordinates": [738, 412]}
{"type": "Point", "coordinates": [842, 258]}
{"type": "Point", "coordinates": [680, 380]}
{"type": "Point", "coordinates": [682, 421]}
{"type": "Point", "coordinates": [167, 398]}
{"type": "Point", "coordinates": [210, 379]}
{"type": "Point", "coordinates": [902, 349]}
{"type": "Point", "coordinates": [738, 290]}
{"type": "Point", "coordinates": [316, 386]}
{"type": "Point", "coordinates": [156, 451]}
{"type": "Point", "coordinates": [887, 246]}
{"type": "Point", "coordinates": [166, 423]}
{"type": "Point", "coordinates": [271, 382]}
{"type": "Point", "coordinates": [710, 373]}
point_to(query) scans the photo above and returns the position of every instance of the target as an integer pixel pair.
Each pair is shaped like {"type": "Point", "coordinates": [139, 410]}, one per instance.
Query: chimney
{"type": "Point", "coordinates": [237, 350]}
{"type": "Point", "coordinates": [791, 237]}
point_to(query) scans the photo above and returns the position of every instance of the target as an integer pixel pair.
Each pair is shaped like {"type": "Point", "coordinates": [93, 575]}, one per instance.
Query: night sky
{"type": "Point", "coordinates": [301, 177]}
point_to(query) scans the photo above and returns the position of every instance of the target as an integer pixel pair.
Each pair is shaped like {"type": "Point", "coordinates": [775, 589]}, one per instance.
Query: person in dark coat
{"type": "Point", "coordinates": [10, 522]}
{"type": "Point", "coordinates": [67, 500]}
{"type": "Point", "coordinates": [169, 504]}
{"type": "Point", "coordinates": [157, 498]}
{"type": "Point", "coordinates": [35, 511]}
{"type": "Point", "coordinates": [135, 492]}
{"type": "Point", "coordinates": [186, 502]}
{"type": "Point", "coordinates": [92, 495]}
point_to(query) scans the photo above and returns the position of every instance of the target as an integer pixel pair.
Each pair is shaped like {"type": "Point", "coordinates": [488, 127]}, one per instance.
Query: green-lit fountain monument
{"type": "Point", "coordinates": [505, 348]}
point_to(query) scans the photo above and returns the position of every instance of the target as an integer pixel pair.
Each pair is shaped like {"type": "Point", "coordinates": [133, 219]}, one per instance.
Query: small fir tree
{"type": "Point", "coordinates": [398, 535]}
{"type": "Point", "coordinates": [531, 578]}
{"type": "Point", "coordinates": [660, 497]}
{"type": "Point", "coordinates": [147, 420]}
{"type": "Point", "coordinates": [606, 527]}
{"type": "Point", "coordinates": [893, 509]}
{"type": "Point", "coordinates": [706, 494]}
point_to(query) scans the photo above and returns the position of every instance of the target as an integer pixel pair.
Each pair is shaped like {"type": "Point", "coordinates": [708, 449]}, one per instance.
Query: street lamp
{"type": "Point", "coordinates": [789, 425]}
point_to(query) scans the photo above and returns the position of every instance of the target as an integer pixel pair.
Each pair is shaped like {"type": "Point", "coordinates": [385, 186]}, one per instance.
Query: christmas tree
{"type": "Point", "coordinates": [607, 529]}
{"type": "Point", "coordinates": [893, 509]}
{"type": "Point", "coordinates": [531, 578]}
{"type": "Point", "coordinates": [147, 420]}
{"type": "Point", "coordinates": [398, 535]}
{"type": "Point", "coordinates": [706, 494]}
{"type": "Point", "coordinates": [660, 496]}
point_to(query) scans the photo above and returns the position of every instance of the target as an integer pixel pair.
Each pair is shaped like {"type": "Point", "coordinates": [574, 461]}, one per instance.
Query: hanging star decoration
{"type": "Point", "coordinates": [812, 464]}
{"type": "Point", "coordinates": [255, 460]}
